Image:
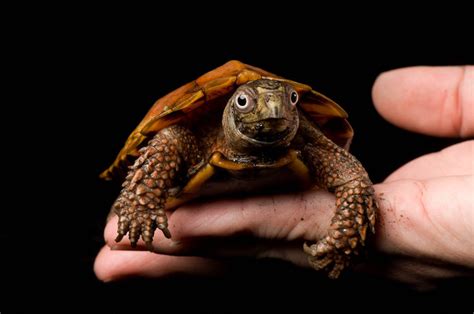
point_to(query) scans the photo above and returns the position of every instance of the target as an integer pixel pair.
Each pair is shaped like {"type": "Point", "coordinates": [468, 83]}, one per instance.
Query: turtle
{"type": "Point", "coordinates": [239, 129]}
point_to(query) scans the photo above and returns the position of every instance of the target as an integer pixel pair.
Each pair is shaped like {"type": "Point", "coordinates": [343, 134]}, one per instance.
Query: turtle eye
{"type": "Point", "coordinates": [243, 103]}
{"type": "Point", "coordinates": [293, 97]}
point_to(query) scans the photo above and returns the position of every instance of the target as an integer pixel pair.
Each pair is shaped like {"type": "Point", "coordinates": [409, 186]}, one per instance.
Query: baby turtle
{"type": "Point", "coordinates": [239, 129]}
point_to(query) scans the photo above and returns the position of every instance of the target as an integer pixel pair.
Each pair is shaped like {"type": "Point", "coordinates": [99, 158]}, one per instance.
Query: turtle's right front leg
{"type": "Point", "coordinates": [140, 205]}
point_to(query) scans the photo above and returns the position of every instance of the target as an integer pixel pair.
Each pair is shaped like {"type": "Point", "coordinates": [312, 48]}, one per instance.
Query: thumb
{"type": "Point", "coordinates": [430, 100]}
{"type": "Point", "coordinates": [430, 219]}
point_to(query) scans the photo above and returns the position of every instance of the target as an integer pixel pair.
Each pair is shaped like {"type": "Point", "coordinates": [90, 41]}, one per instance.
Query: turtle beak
{"type": "Point", "coordinates": [273, 125]}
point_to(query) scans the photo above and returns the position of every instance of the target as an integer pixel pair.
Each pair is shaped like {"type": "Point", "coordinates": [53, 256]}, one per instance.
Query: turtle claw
{"type": "Point", "coordinates": [119, 237]}
{"type": "Point", "coordinates": [142, 225]}
{"type": "Point", "coordinates": [324, 256]}
{"type": "Point", "coordinates": [316, 249]}
{"type": "Point", "coordinates": [149, 246]}
{"type": "Point", "coordinates": [161, 222]}
{"type": "Point", "coordinates": [165, 231]}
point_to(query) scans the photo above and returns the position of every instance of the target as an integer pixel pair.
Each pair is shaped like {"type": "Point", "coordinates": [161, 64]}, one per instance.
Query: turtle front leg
{"type": "Point", "coordinates": [141, 203]}
{"type": "Point", "coordinates": [340, 172]}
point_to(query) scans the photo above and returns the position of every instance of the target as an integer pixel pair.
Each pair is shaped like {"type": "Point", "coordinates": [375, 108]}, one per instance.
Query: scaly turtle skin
{"type": "Point", "coordinates": [239, 129]}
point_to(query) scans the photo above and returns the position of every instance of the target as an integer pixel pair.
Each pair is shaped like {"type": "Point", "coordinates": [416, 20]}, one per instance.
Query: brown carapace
{"type": "Point", "coordinates": [239, 129]}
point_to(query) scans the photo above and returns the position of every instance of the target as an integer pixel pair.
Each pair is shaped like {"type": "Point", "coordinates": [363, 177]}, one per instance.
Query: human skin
{"type": "Point", "coordinates": [426, 216]}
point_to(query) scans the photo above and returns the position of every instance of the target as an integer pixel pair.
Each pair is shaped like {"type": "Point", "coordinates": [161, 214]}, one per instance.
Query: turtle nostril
{"type": "Point", "coordinates": [273, 104]}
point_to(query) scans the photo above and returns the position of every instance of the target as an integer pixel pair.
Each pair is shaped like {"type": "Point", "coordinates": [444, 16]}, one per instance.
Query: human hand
{"type": "Point", "coordinates": [424, 230]}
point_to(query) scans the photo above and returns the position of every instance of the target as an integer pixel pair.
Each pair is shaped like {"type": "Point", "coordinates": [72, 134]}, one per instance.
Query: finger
{"type": "Point", "coordinates": [217, 246]}
{"type": "Point", "coordinates": [455, 160]}
{"type": "Point", "coordinates": [113, 265]}
{"type": "Point", "coordinates": [285, 216]}
{"type": "Point", "coordinates": [430, 219]}
{"type": "Point", "coordinates": [430, 100]}
{"type": "Point", "coordinates": [289, 217]}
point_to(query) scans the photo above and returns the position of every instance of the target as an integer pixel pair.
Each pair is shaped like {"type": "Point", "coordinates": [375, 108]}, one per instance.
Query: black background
{"type": "Point", "coordinates": [93, 79]}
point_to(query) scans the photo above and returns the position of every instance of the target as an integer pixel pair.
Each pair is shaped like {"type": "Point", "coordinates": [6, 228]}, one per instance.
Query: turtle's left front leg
{"type": "Point", "coordinates": [338, 171]}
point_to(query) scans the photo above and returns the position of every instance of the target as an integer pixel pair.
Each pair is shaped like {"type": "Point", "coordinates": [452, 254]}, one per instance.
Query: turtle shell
{"type": "Point", "coordinates": [203, 92]}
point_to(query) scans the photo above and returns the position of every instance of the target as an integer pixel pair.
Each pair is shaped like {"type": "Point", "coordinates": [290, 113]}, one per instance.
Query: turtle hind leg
{"type": "Point", "coordinates": [140, 205]}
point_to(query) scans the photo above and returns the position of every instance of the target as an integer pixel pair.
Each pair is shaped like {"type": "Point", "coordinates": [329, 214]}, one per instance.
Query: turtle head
{"type": "Point", "coordinates": [261, 114]}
